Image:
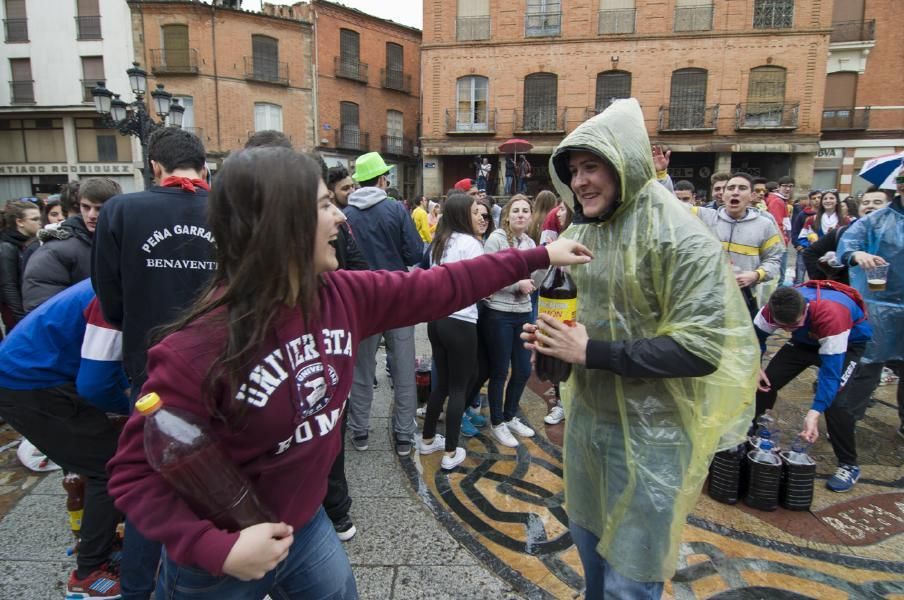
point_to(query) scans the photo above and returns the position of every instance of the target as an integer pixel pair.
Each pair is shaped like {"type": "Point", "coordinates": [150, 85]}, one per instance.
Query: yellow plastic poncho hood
{"type": "Point", "coordinates": [637, 450]}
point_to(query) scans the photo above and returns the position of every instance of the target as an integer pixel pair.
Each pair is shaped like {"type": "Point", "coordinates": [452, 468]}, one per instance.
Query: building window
{"type": "Point", "coordinates": [473, 20]}
{"type": "Point", "coordinates": [96, 143]}
{"type": "Point", "coordinates": [472, 113]}
{"type": "Point", "coordinates": [540, 102]}
{"type": "Point", "coordinates": [188, 117]}
{"type": "Point", "coordinates": [395, 67]}
{"type": "Point", "coordinates": [610, 86]}
{"type": "Point", "coordinates": [349, 129]}
{"type": "Point", "coordinates": [693, 15]}
{"type": "Point", "coordinates": [395, 132]}
{"type": "Point", "coordinates": [765, 97]}
{"type": "Point", "coordinates": [22, 87]}
{"type": "Point", "coordinates": [350, 55]}
{"type": "Point", "coordinates": [92, 72]}
{"type": "Point", "coordinates": [88, 20]}
{"type": "Point", "coordinates": [16, 21]}
{"type": "Point", "coordinates": [267, 117]}
{"type": "Point", "coordinates": [265, 54]}
{"type": "Point", "coordinates": [175, 47]}
{"type": "Point", "coordinates": [687, 102]}
{"type": "Point", "coordinates": [773, 14]}
{"type": "Point", "coordinates": [543, 18]}
{"type": "Point", "coordinates": [616, 16]}
{"type": "Point", "coordinates": [32, 140]}
{"type": "Point", "coordinates": [840, 110]}
{"type": "Point", "coordinates": [106, 148]}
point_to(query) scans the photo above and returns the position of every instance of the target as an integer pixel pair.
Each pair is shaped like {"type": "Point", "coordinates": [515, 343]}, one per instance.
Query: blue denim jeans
{"type": "Point", "coordinates": [502, 333]}
{"type": "Point", "coordinates": [138, 569]}
{"type": "Point", "coordinates": [601, 581]}
{"type": "Point", "coordinates": [317, 568]}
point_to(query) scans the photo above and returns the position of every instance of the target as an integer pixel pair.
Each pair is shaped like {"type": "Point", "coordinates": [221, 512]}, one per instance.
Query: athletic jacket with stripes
{"type": "Point", "coordinates": [753, 242]}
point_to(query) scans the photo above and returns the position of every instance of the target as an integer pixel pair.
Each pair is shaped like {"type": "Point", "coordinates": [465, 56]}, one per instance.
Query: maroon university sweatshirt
{"type": "Point", "coordinates": [290, 435]}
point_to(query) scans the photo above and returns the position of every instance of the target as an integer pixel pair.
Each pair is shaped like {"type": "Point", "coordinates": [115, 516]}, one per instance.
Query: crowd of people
{"type": "Point", "coordinates": [258, 303]}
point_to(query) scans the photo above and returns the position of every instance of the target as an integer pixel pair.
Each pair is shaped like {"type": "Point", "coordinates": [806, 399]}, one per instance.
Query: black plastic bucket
{"type": "Point", "coordinates": [764, 482]}
{"type": "Point", "coordinates": [725, 475]}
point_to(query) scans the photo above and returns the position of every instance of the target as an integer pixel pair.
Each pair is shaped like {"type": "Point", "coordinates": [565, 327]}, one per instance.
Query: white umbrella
{"type": "Point", "coordinates": [882, 170]}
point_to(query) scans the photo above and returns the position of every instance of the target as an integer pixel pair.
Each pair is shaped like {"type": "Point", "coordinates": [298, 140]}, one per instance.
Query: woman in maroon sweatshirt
{"type": "Point", "coordinates": [266, 357]}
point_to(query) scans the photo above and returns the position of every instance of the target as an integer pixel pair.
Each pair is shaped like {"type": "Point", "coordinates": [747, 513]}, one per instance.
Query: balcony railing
{"type": "Point", "coordinates": [471, 121]}
{"type": "Point", "coordinates": [395, 80]}
{"type": "Point", "coordinates": [352, 138]}
{"type": "Point", "coordinates": [472, 28]}
{"type": "Point", "coordinates": [773, 14]}
{"type": "Point", "coordinates": [688, 118]}
{"type": "Point", "coordinates": [350, 69]}
{"type": "Point", "coordinates": [88, 27]}
{"type": "Point", "coordinates": [543, 24]}
{"type": "Point", "coordinates": [842, 119]}
{"type": "Point", "coordinates": [853, 31]}
{"type": "Point", "coordinates": [165, 61]}
{"type": "Point", "coordinates": [694, 18]}
{"type": "Point", "coordinates": [266, 70]}
{"type": "Point", "coordinates": [399, 146]}
{"type": "Point", "coordinates": [766, 115]}
{"type": "Point", "coordinates": [540, 120]}
{"type": "Point", "coordinates": [617, 20]}
{"type": "Point", "coordinates": [16, 30]}
{"type": "Point", "coordinates": [22, 92]}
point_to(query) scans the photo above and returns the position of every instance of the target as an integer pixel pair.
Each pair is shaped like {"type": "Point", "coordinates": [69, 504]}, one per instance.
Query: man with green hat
{"type": "Point", "coordinates": [389, 241]}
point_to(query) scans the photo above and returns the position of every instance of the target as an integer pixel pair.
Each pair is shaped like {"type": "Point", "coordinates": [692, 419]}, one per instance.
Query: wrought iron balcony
{"type": "Point", "coordinates": [617, 20]}
{"type": "Point", "coordinates": [16, 30]}
{"type": "Point", "coordinates": [688, 118]}
{"type": "Point", "coordinates": [543, 24]}
{"type": "Point", "coordinates": [265, 70]}
{"type": "Point", "coordinates": [87, 86]}
{"type": "Point", "coordinates": [694, 18]}
{"type": "Point", "coordinates": [472, 28]}
{"type": "Point", "coordinates": [540, 120]}
{"type": "Point", "coordinates": [773, 14]}
{"type": "Point", "coordinates": [350, 69]}
{"type": "Point", "coordinates": [22, 92]}
{"type": "Point", "coordinates": [165, 61]}
{"type": "Point", "coordinates": [88, 27]}
{"type": "Point", "coordinates": [843, 119]}
{"type": "Point", "coordinates": [477, 121]}
{"type": "Point", "coordinates": [766, 115]}
{"type": "Point", "coordinates": [399, 146]}
{"type": "Point", "coordinates": [395, 80]}
{"type": "Point", "coordinates": [352, 138]}
{"type": "Point", "coordinates": [853, 31]}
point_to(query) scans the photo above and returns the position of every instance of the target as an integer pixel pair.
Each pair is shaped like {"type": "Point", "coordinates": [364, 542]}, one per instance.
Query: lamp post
{"type": "Point", "coordinates": [133, 118]}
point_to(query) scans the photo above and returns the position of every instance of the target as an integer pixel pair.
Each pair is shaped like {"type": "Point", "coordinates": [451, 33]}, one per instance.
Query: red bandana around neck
{"type": "Point", "coordinates": [186, 183]}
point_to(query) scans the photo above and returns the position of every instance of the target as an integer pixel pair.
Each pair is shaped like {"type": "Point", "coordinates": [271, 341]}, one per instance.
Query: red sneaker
{"type": "Point", "coordinates": [101, 584]}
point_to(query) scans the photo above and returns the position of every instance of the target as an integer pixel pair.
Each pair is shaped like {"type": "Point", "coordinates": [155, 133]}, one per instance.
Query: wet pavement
{"type": "Point", "coordinates": [506, 505]}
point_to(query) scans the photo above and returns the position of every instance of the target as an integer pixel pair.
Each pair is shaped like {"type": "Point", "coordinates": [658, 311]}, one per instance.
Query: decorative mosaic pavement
{"type": "Point", "coordinates": [506, 506]}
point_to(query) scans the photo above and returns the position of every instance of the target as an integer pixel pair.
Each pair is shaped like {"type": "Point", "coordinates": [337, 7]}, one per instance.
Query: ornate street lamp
{"type": "Point", "coordinates": [133, 118]}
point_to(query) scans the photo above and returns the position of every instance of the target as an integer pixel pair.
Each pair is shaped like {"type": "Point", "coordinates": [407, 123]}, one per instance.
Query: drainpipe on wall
{"type": "Point", "coordinates": [314, 75]}
{"type": "Point", "coordinates": [216, 75]}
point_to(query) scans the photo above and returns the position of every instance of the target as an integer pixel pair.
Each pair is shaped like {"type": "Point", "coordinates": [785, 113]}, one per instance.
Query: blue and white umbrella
{"type": "Point", "coordinates": [882, 170]}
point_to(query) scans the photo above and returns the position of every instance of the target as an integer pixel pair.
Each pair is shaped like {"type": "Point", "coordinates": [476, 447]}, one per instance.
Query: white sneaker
{"type": "Point", "coordinates": [516, 426]}
{"type": "Point", "coordinates": [422, 414]}
{"type": "Point", "coordinates": [438, 443]}
{"type": "Point", "coordinates": [450, 462]}
{"type": "Point", "coordinates": [556, 415]}
{"type": "Point", "coordinates": [504, 436]}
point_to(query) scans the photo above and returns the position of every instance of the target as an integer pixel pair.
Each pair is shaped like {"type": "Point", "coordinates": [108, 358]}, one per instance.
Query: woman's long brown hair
{"type": "Point", "coordinates": [263, 213]}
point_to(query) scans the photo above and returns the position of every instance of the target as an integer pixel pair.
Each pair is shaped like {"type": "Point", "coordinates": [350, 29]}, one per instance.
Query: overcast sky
{"type": "Point", "coordinates": [406, 12]}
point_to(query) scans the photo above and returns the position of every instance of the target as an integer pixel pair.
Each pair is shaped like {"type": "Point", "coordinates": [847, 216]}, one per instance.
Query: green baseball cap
{"type": "Point", "coordinates": [369, 166]}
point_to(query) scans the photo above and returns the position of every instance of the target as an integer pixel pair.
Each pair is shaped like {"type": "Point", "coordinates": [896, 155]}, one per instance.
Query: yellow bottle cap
{"type": "Point", "coordinates": [148, 403]}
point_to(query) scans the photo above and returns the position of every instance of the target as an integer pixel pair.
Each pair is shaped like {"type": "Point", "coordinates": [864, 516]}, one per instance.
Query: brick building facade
{"type": "Point", "coordinates": [863, 116]}
{"type": "Point", "coordinates": [733, 84]}
{"type": "Point", "coordinates": [236, 72]}
{"type": "Point", "coordinates": [367, 87]}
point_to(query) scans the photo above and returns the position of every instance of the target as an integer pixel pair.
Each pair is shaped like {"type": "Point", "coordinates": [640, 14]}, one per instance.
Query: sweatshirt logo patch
{"type": "Point", "coordinates": [313, 388]}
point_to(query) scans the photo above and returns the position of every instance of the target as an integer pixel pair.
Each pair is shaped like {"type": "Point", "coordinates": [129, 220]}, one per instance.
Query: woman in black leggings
{"type": "Point", "coordinates": [453, 338]}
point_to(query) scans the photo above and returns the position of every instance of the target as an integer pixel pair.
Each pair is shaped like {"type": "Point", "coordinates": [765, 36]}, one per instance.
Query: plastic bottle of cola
{"type": "Point", "coordinates": [179, 446]}
{"type": "Point", "coordinates": [559, 300]}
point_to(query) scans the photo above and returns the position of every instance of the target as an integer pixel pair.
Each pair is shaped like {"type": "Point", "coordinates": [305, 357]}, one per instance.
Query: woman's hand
{"type": "Point", "coordinates": [258, 550]}
{"type": "Point", "coordinates": [866, 261]}
{"type": "Point", "coordinates": [565, 342]}
{"type": "Point", "coordinates": [526, 286]}
{"type": "Point", "coordinates": [811, 426]}
{"type": "Point", "coordinates": [564, 252]}
{"type": "Point", "coordinates": [763, 384]}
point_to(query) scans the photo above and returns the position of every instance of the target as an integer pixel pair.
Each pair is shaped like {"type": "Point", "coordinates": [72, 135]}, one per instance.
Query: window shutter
{"type": "Point", "coordinates": [88, 8]}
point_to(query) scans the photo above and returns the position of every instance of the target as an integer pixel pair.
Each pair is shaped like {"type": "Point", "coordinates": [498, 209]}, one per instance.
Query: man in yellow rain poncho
{"type": "Point", "coordinates": [665, 358]}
